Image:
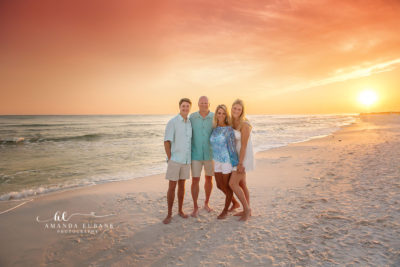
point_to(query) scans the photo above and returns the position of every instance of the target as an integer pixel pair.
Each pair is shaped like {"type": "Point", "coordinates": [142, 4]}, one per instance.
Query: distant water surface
{"type": "Point", "coordinates": [40, 154]}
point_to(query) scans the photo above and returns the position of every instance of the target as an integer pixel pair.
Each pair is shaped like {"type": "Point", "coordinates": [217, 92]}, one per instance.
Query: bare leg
{"type": "Point", "coordinates": [170, 200]}
{"type": "Point", "coordinates": [220, 182]}
{"type": "Point", "coordinates": [234, 184]}
{"type": "Point", "coordinates": [181, 194]}
{"type": "Point", "coordinates": [243, 185]}
{"type": "Point", "coordinates": [235, 204]}
{"type": "Point", "coordinates": [195, 195]}
{"type": "Point", "coordinates": [228, 195]}
{"type": "Point", "coordinates": [208, 185]}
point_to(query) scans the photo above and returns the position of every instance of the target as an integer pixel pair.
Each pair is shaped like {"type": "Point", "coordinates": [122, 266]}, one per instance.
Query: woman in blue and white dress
{"type": "Point", "coordinates": [244, 148]}
{"type": "Point", "coordinates": [225, 158]}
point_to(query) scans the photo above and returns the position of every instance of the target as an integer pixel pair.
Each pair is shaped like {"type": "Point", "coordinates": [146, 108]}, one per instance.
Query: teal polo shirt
{"type": "Point", "coordinates": [179, 133]}
{"type": "Point", "coordinates": [202, 129]}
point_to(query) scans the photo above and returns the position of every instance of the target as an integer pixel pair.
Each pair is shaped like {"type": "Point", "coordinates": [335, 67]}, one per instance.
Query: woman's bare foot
{"type": "Point", "coordinates": [234, 206]}
{"type": "Point", "coordinates": [183, 215]}
{"type": "Point", "coordinates": [195, 212]}
{"type": "Point", "coordinates": [167, 219]}
{"type": "Point", "coordinates": [246, 215]}
{"type": "Point", "coordinates": [223, 215]}
{"type": "Point", "coordinates": [207, 207]}
{"type": "Point", "coordinates": [240, 213]}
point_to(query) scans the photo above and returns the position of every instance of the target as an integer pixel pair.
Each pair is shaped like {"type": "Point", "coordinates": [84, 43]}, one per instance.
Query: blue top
{"type": "Point", "coordinates": [202, 128]}
{"type": "Point", "coordinates": [223, 144]}
{"type": "Point", "coordinates": [179, 133]}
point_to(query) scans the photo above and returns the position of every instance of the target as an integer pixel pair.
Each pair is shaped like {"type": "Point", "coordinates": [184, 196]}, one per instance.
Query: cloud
{"type": "Point", "coordinates": [342, 75]}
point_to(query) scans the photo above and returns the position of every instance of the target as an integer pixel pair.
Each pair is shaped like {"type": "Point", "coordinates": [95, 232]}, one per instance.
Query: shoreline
{"type": "Point", "coordinates": [32, 193]}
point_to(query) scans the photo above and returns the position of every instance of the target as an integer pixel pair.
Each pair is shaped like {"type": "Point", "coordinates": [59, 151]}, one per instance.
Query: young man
{"type": "Point", "coordinates": [177, 143]}
{"type": "Point", "coordinates": [202, 124]}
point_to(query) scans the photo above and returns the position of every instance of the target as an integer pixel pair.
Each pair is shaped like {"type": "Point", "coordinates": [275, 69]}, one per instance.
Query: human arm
{"type": "Point", "coordinates": [167, 146]}
{"type": "Point", "coordinates": [230, 141]}
{"type": "Point", "coordinates": [168, 138]}
{"type": "Point", "coordinates": [245, 134]}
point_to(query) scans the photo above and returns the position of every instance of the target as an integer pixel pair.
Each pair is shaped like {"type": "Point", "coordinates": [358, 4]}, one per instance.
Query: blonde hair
{"type": "Point", "coordinates": [242, 117]}
{"type": "Point", "coordinates": [227, 117]}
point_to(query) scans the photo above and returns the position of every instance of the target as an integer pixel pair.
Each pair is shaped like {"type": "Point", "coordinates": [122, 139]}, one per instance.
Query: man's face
{"type": "Point", "coordinates": [184, 108]}
{"type": "Point", "coordinates": [203, 104]}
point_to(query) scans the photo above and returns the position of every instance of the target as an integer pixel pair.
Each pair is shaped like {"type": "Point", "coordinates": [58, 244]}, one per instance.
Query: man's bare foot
{"type": "Point", "coordinates": [167, 219]}
{"type": "Point", "coordinates": [223, 215]}
{"type": "Point", "coordinates": [207, 207]}
{"type": "Point", "coordinates": [183, 215]}
{"type": "Point", "coordinates": [234, 206]}
{"type": "Point", "coordinates": [245, 216]}
{"type": "Point", "coordinates": [195, 212]}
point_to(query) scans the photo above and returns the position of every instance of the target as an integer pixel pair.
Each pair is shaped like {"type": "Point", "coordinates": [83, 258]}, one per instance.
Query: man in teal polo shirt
{"type": "Point", "coordinates": [177, 143]}
{"type": "Point", "coordinates": [202, 125]}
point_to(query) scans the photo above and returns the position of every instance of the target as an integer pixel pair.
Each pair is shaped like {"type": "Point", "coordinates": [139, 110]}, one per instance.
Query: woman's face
{"type": "Point", "coordinates": [221, 115]}
{"type": "Point", "coordinates": [236, 111]}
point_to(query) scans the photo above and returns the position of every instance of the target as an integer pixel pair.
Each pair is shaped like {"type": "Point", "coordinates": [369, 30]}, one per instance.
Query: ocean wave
{"type": "Point", "coordinates": [98, 179]}
{"type": "Point", "coordinates": [38, 191]}
{"type": "Point", "coordinates": [20, 140]}
{"type": "Point", "coordinates": [13, 141]}
{"type": "Point", "coordinates": [40, 125]}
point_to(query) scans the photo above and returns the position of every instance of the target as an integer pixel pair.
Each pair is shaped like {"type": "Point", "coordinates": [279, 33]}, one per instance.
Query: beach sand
{"type": "Point", "coordinates": [327, 201]}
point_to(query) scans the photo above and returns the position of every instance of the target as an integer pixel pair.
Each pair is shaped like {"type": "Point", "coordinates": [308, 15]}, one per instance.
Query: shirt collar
{"type": "Point", "coordinates": [210, 114]}
{"type": "Point", "coordinates": [181, 118]}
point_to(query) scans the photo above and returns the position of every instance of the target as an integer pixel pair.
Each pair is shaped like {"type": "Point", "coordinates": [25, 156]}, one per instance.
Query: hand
{"type": "Point", "coordinates": [240, 168]}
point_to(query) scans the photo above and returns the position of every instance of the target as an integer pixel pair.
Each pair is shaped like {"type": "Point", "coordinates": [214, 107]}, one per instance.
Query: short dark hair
{"type": "Point", "coordinates": [185, 100]}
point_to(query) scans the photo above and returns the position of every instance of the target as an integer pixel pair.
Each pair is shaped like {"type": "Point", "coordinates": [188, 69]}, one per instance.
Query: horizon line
{"type": "Point", "coordinates": [157, 114]}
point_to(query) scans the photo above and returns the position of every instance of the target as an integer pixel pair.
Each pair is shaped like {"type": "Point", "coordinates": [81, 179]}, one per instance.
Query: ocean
{"type": "Point", "coordinates": [46, 153]}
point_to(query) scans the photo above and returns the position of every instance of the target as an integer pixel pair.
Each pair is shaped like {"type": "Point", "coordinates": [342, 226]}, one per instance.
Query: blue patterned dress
{"type": "Point", "coordinates": [222, 140]}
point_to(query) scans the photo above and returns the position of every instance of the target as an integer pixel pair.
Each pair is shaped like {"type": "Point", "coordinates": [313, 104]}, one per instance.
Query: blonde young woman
{"type": "Point", "coordinates": [225, 158]}
{"type": "Point", "coordinates": [244, 148]}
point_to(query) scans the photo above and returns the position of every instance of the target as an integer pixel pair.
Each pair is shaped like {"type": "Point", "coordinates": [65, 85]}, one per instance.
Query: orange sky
{"type": "Point", "coordinates": [122, 57]}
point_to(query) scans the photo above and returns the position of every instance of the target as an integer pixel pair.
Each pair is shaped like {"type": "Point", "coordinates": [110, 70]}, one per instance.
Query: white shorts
{"type": "Point", "coordinates": [225, 168]}
{"type": "Point", "coordinates": [248, 168]}
{"type": "Point", "coordinates": [197, 165]}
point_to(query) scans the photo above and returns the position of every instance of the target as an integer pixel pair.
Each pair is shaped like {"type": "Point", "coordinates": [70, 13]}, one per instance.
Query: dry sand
{"type": "Point", "coordinates": [328, 201]}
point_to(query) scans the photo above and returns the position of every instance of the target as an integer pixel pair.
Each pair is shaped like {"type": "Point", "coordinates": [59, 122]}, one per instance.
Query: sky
{"type": "Point", "coordinates": [139, 57]}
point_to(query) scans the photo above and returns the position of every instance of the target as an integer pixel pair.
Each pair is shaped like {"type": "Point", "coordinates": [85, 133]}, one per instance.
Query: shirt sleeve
{"type": "Point", "coordinates": [169, 131]}
{"type": "Point", "coordinates": [230, 139]}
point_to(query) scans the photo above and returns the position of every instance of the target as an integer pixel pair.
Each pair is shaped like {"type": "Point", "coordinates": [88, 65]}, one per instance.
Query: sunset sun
{"type": "Point", "coordinates": [367, 97]}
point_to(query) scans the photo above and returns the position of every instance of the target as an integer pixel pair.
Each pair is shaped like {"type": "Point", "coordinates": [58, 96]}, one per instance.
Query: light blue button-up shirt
{"type": "Point", "coordinates": [202, 129]}
{"type": "Point", "coordinates": [179, 133]}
